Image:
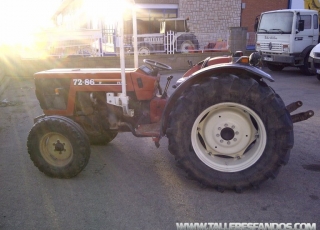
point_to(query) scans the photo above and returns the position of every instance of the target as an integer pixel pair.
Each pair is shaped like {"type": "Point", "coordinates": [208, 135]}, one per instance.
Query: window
{"type": "Point", "coordinates": [306, 19]}
{"type": "Point", "coordinates": [276, 22]}
{"type": "Point", "coordinates": [315, 21]}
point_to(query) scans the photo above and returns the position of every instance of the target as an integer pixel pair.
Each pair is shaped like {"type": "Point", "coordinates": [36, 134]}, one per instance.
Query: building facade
{"type": "Point", "coordinates": [212, 17]}
{"type": "Point", "coordinates": [210, 20]}
{"type": "Point", "coordinates": [250, 9]}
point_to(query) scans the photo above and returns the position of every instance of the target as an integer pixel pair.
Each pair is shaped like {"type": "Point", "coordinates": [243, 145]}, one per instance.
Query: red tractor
{"type": "Point", "coordinates": [226, 127]}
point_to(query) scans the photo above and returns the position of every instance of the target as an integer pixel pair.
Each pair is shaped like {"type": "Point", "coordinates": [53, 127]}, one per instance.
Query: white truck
{"type": "Point", "coordinates": [286, 37]}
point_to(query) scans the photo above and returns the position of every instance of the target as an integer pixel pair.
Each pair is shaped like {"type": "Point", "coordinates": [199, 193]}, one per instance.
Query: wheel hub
{"type": "Point", "coordinates": [227, 133]}
{"type": "Point", "coordinates": [56, 149]}
{"type": "Point", "coordinates": [59, 146]}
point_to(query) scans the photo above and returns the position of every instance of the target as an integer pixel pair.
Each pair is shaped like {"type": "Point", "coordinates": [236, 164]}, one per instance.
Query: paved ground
{"type": "Point", "coordinates": [130, 184]}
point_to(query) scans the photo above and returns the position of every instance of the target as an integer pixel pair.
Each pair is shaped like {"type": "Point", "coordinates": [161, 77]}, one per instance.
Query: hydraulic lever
{"type": "Point", "coordinates": [164, 95]}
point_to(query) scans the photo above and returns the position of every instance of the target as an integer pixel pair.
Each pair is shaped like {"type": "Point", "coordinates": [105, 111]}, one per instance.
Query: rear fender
{"type": "Point", "coordinates": [245, 71]}
{"type": "Point", "coordinates": [211, 61]}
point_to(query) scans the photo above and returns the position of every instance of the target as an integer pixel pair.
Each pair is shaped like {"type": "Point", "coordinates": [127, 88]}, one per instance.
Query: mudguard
{"type": "Point", "coordinates": [186, 82]}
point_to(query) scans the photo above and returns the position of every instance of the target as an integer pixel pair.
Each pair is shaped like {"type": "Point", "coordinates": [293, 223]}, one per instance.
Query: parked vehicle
{"type": "Point", "coordinates": [286, 37]}
{"type": "Point", "coordinates": [226, 127]}
{"type": "Point", "coordinates": [173, 36]}
{"type": "Point", "coordinates": [314, 60]}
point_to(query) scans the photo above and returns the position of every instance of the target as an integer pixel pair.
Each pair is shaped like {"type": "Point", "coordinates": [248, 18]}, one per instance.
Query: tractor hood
{"type": "Point", "coordinates": [76, 72]}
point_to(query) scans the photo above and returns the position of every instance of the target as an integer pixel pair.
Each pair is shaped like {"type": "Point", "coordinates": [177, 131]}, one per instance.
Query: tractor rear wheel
{"type": "Point", "coordinates": [230, 133]}
{"type": "Point", "coordinates": [187, 43]}
{"type": "Point", "coordinates": [58, 147]}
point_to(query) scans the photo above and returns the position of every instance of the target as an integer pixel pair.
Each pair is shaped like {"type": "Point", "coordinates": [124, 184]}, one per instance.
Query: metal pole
{"type": "Point", "coordinates": [122, 59]}
{"type": "Point", "coordinates": [135, 38]}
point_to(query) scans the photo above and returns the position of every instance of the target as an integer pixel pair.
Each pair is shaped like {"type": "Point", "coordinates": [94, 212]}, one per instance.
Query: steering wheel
{"type": "Point", "coordinates": [158, 65]}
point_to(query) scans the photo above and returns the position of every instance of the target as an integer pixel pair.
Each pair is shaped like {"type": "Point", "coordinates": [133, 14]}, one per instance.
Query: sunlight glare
{"type": "Point", "coordinates": [110, 11]}
{"type": "Point", "coordinates": [19, 20]}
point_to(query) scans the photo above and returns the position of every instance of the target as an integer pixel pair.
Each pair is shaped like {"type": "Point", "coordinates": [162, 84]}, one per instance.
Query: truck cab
{"type": "Point", "coordinates": [286, 37]}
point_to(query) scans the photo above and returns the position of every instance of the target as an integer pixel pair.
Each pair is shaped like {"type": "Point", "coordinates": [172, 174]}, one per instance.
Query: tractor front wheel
{"type": "Point", "coordinates": [58, 147]}
{"type": "Point", "coordinates": [230, 133]}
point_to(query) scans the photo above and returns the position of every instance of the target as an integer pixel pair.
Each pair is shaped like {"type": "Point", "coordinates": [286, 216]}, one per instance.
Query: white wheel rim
{"type": "Point", "coordinates": [225, 139]}
{"type": "Point", "coordinates": [144, 51]}
{"type": "Point", "coordinates": [184, 46]}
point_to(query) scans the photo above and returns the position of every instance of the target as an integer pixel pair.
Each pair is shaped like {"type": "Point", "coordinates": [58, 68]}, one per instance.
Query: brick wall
{"type": "Point", "coordinates": [254, 8]}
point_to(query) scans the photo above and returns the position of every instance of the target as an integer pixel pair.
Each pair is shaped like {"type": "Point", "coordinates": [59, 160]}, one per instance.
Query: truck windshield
{"type": "Point", "coordinates": [276, 23]}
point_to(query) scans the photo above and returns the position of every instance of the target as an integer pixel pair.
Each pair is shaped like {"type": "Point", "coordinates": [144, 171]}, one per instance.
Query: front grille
{"type": "Point", "coordinates": [271, 47]}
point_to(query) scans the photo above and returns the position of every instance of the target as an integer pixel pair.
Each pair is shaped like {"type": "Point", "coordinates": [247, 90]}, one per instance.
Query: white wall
{"type": "Point", "coordinates": [297, 4]}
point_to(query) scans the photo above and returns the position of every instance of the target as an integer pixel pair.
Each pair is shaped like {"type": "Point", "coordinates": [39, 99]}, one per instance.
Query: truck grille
{"type": "Point", "coordinates": [271, 47]}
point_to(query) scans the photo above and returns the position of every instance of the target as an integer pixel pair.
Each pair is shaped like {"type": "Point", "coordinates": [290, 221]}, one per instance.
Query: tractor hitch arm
{"type": "Point", "coordinates": [302, 116]}
{"type": "Point", "coordinates": [294, 106]}
{"type": "Point", "coordinates": [299, 116]}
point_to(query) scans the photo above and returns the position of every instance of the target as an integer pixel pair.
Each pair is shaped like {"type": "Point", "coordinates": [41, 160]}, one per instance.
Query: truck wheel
{"type": "Point", "coordinates": [305, 69]}
{"type": "Point", "coordinates": [230, 133]}
{"type": "Point", "coordinates": [274, 67]}
{"type": "Point", "coordinates": [58, 147]}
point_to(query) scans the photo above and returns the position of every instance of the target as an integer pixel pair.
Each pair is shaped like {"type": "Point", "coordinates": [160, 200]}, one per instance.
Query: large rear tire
{"type": "Point", "coordinates": [58, 147]}
{"type": "Point", "coordinates": [230, 133]}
